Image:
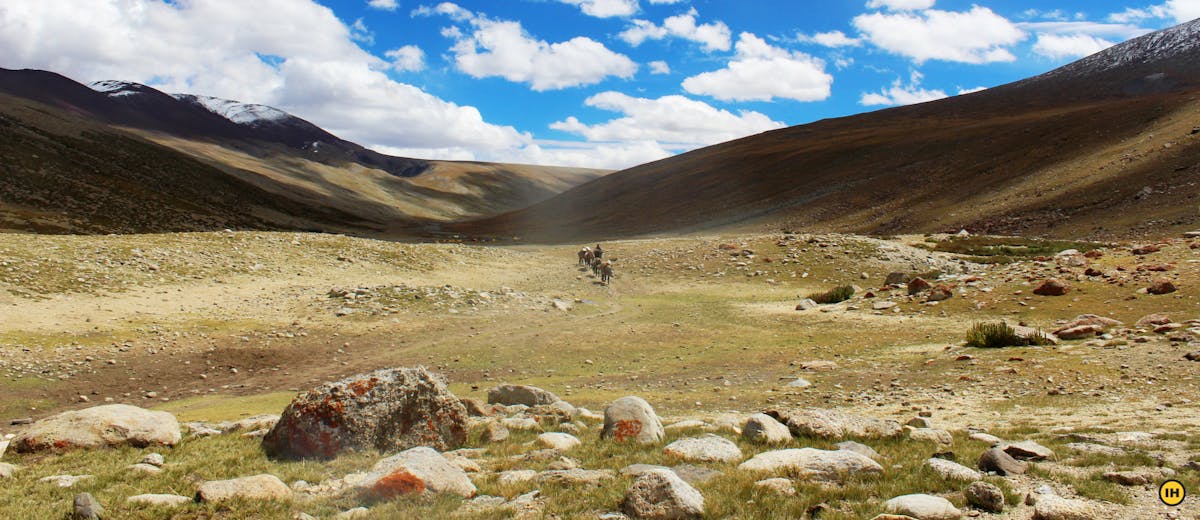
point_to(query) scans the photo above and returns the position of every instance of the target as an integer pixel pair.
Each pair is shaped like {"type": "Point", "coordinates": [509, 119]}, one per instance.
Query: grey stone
{"type": "Point", "coordinates": [7, 470]}
{"type": "Point", "coordinates": [930, 435]}
{"type": "Point", "coordinates": [695, 475]}
{"type": "Point", "coordinates": [833, 424]}
{"type": "Point", "coordinates": [574, 477]}
{"type": "Point", "coordinates": [923, 507]}
{"type": "Point", "coordinates": [1027, 450]}
{"type": "Point", "coordinates": [662, 495]}
{"type": "Point", "coordinates": [559, 441]}
{"type": "Point", "coordinates": [258, 487]}
{"type": "Point", "coordinates": [812, 463]}
{"type": "Point", "coordinates": [1051, 507]}
{"type": "Point", "coordinates": [861, 449]}
{"type": "Point", "coordinates": [779, 485]}
{"type": "Point", "coordinates": [160, 500]}
{"type": "Point", "coordinates": [997, 461]}
{"type": "Point", "coordinates": [387, 410]}
{"type": "Point", "coordinates": [706, 448]}
{"type": "Point", "coordinates": [985, 496]}
{"type": "Point", "coordinates": [86, 507]}
{"type": "Point", "coordinates": [521, 394]}
{"type": "Point", "coordinates": [764, 429]}
{"type": "Point", "coordinates": [952, 470]}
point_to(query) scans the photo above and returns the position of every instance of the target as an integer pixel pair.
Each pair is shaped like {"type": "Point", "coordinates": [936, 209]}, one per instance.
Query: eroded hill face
{"type": "Point", "coordinates": [1106, 147]}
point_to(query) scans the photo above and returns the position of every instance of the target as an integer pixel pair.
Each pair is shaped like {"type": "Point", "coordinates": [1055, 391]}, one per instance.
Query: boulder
{"type": "Point", "coordinates": [1051, 507]}
{"type": "Point", "coordinates": [513, 477]}
{"type": "Point", "coordinates": [951, 470]}
{"type": "Point", "coordinates": [779, 485]}
{"type": "Point", "coordinates": [258, 487]}
{"type": "Point", "coordinates": [918, 285]}
{"type": "Point", "coordinates": [832, 424]}
{"type": "Point", "coordinates": [662, 495]}
{"type": "Point", "coordinates": [996, 461]}
{"type": "Point", "coordinates": [923, 507]}
{"type": "Point", "coordinates": [559, 441]}
{"type": "Point", "coordinates": [632, 419]}
{"type": "Point", "coordinates": [1161, 286]}
{"type": "Point", "coordinates": [387, 410]}
{"type": "Point", "coordinates": [764, 429]}
{"type": "Point", "coordinates": [985, 496]}
{"type": "Point", "coordinates": [807, 304]}
{"type": "Point", "coordinates": [1052, 287]}
{"type": "Point", "coordinates": [1027, 450]}
{"type": "Point", "coordinates": [160, 500]}
{"type": "Point", "coordinates": [86, 507]}
{"type": "Point", "coordinates": [416, 471]}
{"type": "Point", "coordinates": [1079, 332]}
{"type": "Point", "coordinates": [812, 463]}
{"type": "Point", "coordinates": [575, 477]}
{"type": "Point", "coordinates": [706, 448]}
{"type": "Point", "coordinates": [1134, 478]}
{"type": "Point", "coordinates": [521, 394]}
{"type": "Point", "coordinates": [495, 431]}
{"type": "Point", "coordinates": [930, 435]}
{"type": "Point", "coordinates": [897, 278]}
{"type": "Point", "coordinates": [7, 470]}
{"type": "Point", "coordinates": [108, 425]}
{"type": "Point", "coordinates": [985, 437]}
{"type": "Point", "coordinates": [861, 449]}
{"type": "Point", "coordinates": [940, 293]}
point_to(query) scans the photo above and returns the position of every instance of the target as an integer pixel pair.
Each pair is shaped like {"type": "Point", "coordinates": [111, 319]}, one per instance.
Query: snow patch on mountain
{"type": "Point", "coordinates": [116, 88]}
{"type": "Point", "coordinates": [240, 113]}
{"type": "Point", "coordinates": [1180, 41]}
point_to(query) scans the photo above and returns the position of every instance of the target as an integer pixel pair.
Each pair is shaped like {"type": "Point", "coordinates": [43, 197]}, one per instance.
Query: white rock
{"type": "Point", "coordinates": [160, 500]}
{"type": "Point", "coordinates": [662, 495]}
{"type": "Point", "coordinates": [559, 441]}
{"type": "Point", "coordinates": [7, 470]}
{"type": "Point", "coordinates": [930, 435]}
{"type": "Point", "coordinates": [509, 478]}
{"type": "Point", "coordinates": [1050, 507]}
{"type": "Point", "coordinates": [100, 426]}
{"type": "Point", "coordinates": [764, 429]}
{"type": "Point", "coordinates": [952, 470]}
{"type": "Point", "coordinates": [923, 507]}
{"type": "Point", "coordinates": [812, 463]}
{"type": "Point", "coordinates": [258, 487]}
{"type": "Point", "coordinates": [706, 448]}
{"type": "Point", "coordinates": [65, 481]}
{"type": "Point", "coordinates": [779, 485]}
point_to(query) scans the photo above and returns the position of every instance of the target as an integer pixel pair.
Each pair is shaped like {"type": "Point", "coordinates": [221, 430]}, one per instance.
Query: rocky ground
{"type": "Point", "coordinates": [223, 327]}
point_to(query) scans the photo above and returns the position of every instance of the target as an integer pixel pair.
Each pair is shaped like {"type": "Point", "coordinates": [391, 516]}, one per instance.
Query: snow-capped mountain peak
{"type": "Point", "coordinates": [115, 88]}
{"type": "Point", "coordinates": [1181, 41]}
{"type": "Point", "coordinates": [240, 113]}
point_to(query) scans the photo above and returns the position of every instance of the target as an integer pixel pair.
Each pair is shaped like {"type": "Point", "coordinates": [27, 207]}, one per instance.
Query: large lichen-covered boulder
{"type": "Point", "coordinates": [108, 425]}
{"type": "Point", "coordinates": [387, 410]}
{"type": "Point", "coordinates": [632, 419]}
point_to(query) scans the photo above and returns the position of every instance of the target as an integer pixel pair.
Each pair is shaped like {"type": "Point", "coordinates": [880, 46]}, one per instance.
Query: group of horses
{"type": "Point", "coordinates": [599, 266]}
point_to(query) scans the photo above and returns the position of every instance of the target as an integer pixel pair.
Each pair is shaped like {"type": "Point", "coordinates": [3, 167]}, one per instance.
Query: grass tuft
{"type": "Point", "coordinates": [999, 335]}
{"type": "Point", "coordinates": [836, 295]}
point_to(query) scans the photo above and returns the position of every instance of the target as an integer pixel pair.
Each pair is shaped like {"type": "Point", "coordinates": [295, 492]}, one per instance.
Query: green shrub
{"type": "Point", "coordinates": [998, 335]}
{"type": "Point", "coordinates": [835, 295]}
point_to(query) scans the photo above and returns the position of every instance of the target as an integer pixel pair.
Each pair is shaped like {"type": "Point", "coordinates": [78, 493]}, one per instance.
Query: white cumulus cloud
{"type": "Point", "coordinates": [900, 5]}
{"type": "Point", "coordinates": [901, 94]}
{"type": "Point", "coordinates": [714, 36]}
{"type": "Point", "coordinates": [222, 48]}
{"type": "Point", "coordinates": [407, 58]}
{"type": "Point", "coordinates": [1178, 10]}
{"type": "Point", "coordinates": [502, 48]}
{"type": "Point", "coordinates": [386, 5]}
{"type": "Point", "coordinates": [659, 67]}
{"type": "Point", "coordinates": [1058, 46]}
{"type": "Point", "coordinates": [831, 39]}
{"type": "Point", "coordinates": [761, 72]}
{"type": "Point", "coordinates": [675, 122]}
{"type": "Point", "coordinates": [975, 36]}
{"type": "Point", "coordinates": [605, 8]}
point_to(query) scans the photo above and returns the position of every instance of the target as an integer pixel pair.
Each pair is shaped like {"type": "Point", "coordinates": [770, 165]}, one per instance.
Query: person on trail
{"type": "Point", "coordinates": [598, 252]}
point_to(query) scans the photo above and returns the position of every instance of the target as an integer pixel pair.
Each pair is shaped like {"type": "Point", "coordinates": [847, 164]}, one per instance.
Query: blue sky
{"type": "Point", "coordinates": [604, 83]}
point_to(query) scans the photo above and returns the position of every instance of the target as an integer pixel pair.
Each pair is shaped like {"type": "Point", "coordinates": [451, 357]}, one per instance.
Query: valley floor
{"type": "Point", "coordinates": [221, 326]}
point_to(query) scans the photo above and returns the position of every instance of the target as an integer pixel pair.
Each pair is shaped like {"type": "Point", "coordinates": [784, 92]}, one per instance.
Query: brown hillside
{"type": "Point", "coordinates": [1103, 147]}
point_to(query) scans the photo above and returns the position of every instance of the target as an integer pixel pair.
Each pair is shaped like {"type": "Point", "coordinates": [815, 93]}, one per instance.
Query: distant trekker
{"type": "Point", "coordinates": [598, 252]}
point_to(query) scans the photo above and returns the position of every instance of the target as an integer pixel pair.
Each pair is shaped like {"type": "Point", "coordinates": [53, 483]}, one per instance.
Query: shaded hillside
{"type": "Point", "coordinates": [123, 157]}
{"type": "Point", "coordinates": [1102, 147]}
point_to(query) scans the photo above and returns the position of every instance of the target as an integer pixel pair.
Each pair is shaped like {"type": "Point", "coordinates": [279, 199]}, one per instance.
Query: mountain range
{"type": "Point", "coordinates": [117, 156]}
{"type": "Point", "coordinates": [1105, 147]}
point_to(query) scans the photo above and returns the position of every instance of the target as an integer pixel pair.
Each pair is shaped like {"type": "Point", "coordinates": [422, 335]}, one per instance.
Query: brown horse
{"type": "Point", "coordinates": [606, 271]}
{"type": "Point", "coordinates": [585, 256]}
